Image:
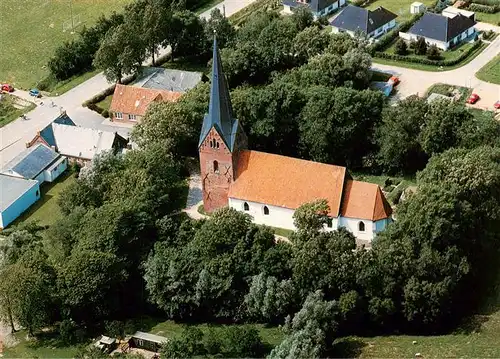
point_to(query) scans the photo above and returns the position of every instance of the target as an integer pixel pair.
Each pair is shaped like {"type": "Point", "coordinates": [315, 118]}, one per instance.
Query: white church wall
{"type": "Point", "coordinates": [352, 224]}
{"type": "Point", "coordinates": [277, 217]}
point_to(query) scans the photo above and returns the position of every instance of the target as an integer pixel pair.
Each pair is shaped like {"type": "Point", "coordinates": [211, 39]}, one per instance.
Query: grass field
{"type": "Point", "coordinates": [43, 347]}
{"type": "Point", "coordinates": [45, 210]}
{"type": "Point", "coordinates": [8, 112]}
{"type": "Point", "coordinates": [32, 30]}
{"type": "Point", "coordinates": [489, 18]}
{"type": "Point", "coordinates": [447, 90]}
{"type": "Point", "coordinates": [399, 7]}
{"type": "Point", "coordinates": [491, 71]}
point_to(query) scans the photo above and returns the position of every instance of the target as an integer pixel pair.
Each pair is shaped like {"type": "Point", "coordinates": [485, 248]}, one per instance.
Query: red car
{"type": "Point", "coordinates": [497, 105]}
{"type": "Point", "coordinates": [473, 98]}
{"type": "Point", "coordinates": [394, 80]}
{"type": "Point", "coordinates": [7, 88]}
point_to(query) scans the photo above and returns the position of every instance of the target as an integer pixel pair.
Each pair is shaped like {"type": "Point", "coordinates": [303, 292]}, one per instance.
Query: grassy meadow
{"type": "Point", "coordinates": [33, 29]}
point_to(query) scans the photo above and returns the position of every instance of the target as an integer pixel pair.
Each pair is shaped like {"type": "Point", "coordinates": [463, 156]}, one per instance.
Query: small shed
{"type": "Point", "coordinates": [148, 341]}
{"type": "Point", "coordinates": [417, 8]}
{"type": "Point", "coordinates": [106, 344]}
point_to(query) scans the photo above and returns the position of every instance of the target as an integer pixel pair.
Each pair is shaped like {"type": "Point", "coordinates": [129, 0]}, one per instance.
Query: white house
{"type": "Point", "coordinates": [318, 7]}
{"type": "Point", "coordinates": [373, 24]}
{"type": "Point", "coordinates": [40, 163]}
{"type": "Point", "coordinates": [443, 31]}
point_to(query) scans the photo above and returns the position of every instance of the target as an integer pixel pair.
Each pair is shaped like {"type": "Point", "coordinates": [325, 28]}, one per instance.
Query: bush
{"type": "Point", "coordinates": [420, 46]}
{"type": "Point", "coordinates": [67, 329]}
{"type": "Point", "coordinates": [401, 48]}
{"type": "Point", "coordinates": [105, 113]}
{"type": "Point", "coordinates": [389, 188]}
{"type": "Point", "coordinates": [395, 195]}
{"type": "Point", "coordinates": [488, 9]}
{"type": "Point", "coordinates": [489, 34]}
{"type": "Point", "coordinates": [388, 38]}
{"type": "Point", "coordinates": [433, 53]}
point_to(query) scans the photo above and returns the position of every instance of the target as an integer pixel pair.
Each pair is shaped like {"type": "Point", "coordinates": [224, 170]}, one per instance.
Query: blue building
{"type": "Point", "coordinates": [16, 196]}
{"type": "Point", "coordinates": [318, 7]}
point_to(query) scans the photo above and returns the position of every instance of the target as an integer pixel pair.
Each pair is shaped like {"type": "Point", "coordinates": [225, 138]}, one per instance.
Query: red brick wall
{"type": "Point", "coordinates": [215, 184]}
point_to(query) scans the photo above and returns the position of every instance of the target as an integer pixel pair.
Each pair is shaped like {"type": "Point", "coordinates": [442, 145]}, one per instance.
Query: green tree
{"type": "Point", "coordinates": [433, 52]}
{"type": "Point", "coordinates": [219, 24]}
{"type": "Point", "coordinates": [420, 46]}
{"type": "Point", "coordinates": [155, 26]}
{"type": "Point", "coordinates": [311, 217]}
{"type": "Point", "coordinates": [401, 48]}
{"type": "Point", "coordinates": [397, 136]}
{"type": "Point", "coordinates": [310, 42]}
{"type": "Point", "coordinates": [186, 35]}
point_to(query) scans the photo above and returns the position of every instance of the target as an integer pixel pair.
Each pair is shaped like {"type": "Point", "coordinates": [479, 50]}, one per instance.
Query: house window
{"type": "Point", "coordinates": [119, 115]}
{"type": "Point", "coordinates": [132, 118]}
{"type": "Point", "coordinates": [216, 167]}
{"type": "Point", "coordinates": [266, 211]}
{"type": "Point", "coordinates": [361, 226]}
{"type": "Point", "coordinates": [329, 223]}
{"type": "Point", "coordinates": [246, 207]}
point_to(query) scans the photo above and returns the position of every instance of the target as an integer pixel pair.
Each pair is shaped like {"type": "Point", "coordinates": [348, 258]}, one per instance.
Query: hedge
{"type": "Point", "coordinates": [426, 61]}
{"type": "Point", "coordinates": [487, 2]}
{"type": "Point", "coordinates": [488, 9]}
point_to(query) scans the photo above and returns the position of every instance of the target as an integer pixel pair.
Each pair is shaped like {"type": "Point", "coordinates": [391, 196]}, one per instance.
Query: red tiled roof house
{"type": "Point", "coordinates": [130, 103]}
{"type": "Point", "coordinates": [271, 187]}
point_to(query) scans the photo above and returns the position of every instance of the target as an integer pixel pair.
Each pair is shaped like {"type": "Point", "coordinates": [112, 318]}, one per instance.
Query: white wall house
{"type": "Point", "coordinates": [281, 217]}
{"type": "Point", "coordinates": [318, 8]}
{"type": "Point", "coordinates": [443, 31]}
{"type": "Point", "coordinates": [373, 24]}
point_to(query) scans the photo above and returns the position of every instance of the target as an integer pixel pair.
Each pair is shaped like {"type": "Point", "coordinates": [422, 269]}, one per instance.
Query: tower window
{"type": "Point", "coordinates": [266, 211]}
{"type": "Point", "coordinates": [217, 144]}
{"type": "Point", "coordinates": [246, 207]}
{"type": "Point", "coordinates": [361, 226]}
{"type": "Point", "coordinates": [211, 143]}
{"type": "Point", "coordinates": [216, 167]}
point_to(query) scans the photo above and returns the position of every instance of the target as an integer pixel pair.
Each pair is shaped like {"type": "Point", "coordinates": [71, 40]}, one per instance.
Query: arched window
{"type": "Point", "coordinates": [246, 207]}
{"type": "Point", "coordinates": [216, 167]}
{"type": "Point", "coordinates": [217, 144]}
{"type": "Point", "coordinates": [211, 144]}
{"type": "Point", "coordinates": [266, 211]}
{"type": "Point", "coordinates": [361, 226]}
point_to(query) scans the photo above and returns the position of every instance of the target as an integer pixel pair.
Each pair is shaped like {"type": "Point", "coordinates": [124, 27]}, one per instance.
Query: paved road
{"type": "Point", "coordinates": [14, 136]}
{"type": "Point", "coordinates": [417, 81]}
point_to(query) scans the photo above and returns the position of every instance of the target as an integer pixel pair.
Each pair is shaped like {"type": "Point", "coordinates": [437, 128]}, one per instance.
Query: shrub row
{"type": "Point", "coordinates": [426, 61]}
{"type": "Point", "coordinates": [488, 9]}
{"type": "Point", "coordinates": [362, 3]}
{"type": "Point", "coordinates": [487, 2]}
{"type": "Point", "coordinates": [388, 38]}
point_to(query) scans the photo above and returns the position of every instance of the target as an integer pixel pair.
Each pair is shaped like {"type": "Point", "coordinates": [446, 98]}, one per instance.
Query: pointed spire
{"type": "Point", "coordinates": [220, 112]}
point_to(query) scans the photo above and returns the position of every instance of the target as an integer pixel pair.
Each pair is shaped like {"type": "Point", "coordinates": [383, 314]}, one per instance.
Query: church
{"type": "Point", "coordinates": [271, 187]}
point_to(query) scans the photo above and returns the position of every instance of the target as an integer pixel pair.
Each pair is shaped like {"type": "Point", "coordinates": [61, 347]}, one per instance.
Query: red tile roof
{"type": "Point", "coordinates": [135, 100]}
{"type": "Point", "coordinates": [364, 201]}
{"type": "Point", "coordinates": [286, 182]}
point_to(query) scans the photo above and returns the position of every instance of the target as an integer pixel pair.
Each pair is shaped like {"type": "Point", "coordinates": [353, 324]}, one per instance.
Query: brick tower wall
{"type": "Point", "coordinates": [216, 177]}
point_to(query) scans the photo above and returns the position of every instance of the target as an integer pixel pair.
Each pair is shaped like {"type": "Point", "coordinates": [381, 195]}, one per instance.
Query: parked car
{"type": "Point", "coordinates": [35, 93]}
{"type": "Point", "coordinates": [497, 105]}
{"type": "Point", "coordinates": [473, 98]}
{"type": "Point", "coordinates": [7, 88]}
{"type": "Point", "coordinates": [394, 80]}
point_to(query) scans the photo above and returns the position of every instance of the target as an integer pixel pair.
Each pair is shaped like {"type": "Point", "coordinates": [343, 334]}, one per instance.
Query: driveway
{"type": "Point", "coordinates": [417, 81]}
{"type": "Point", "coordinates": [14, 136]}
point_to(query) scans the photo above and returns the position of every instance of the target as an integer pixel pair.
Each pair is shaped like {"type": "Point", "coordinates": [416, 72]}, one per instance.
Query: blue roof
{"type": "Point", "coordinates": [48, 134]}
{"type": "Point", "coordinates": [220, 112]}
{"type": "Point", "coordinates": [33, 161]}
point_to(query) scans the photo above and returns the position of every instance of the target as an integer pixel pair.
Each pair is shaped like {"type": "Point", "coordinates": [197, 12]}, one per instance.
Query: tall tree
{"type": "Point", "coordinates": [155, 26]}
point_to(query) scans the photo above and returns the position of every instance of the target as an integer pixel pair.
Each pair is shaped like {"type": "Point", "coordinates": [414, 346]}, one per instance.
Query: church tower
{"type": "Point", "coordinates": [221, 139]}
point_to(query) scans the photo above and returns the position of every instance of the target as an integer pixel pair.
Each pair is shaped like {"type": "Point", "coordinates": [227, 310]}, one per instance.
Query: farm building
{"type": "Point", "coordinates": [147, 341]}
{"type": "Point", "coordinates": [16, 196]}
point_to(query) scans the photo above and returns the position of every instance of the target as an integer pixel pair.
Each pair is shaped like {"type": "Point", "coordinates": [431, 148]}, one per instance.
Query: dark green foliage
{"type": "Point", "coordinates": [433, 52]}
{"type": "Point", "coordinates": [401, 47]}
{"type": "Point", "coordinates": [420, 46]}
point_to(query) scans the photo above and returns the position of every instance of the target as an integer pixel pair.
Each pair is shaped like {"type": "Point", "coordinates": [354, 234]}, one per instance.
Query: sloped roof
{"type": "Point", "coordinates": [220, 111]}
{"type": "Point", "coordinates": [135, 100]}
{"type": "Point", "coordinates": [354, 18]}
{"type": "Point", "coordinates": [364, 200]}
{"type": "Point", "coordinates": [48, 135]}
{"type": "Point", "coordinates": [286, 182]}
{"type": "Point", "coordinates": [82, 142]}
{"type": "Point", "coordinates": [314, 5]}
{"type": "Point", "coordinates": [150, 337]}
{"type": "Point", "coordinates": [441, 28]}
{"type": "Point", "coordinates": [12, 189]}
{"type": "Point", "coordinates": [32, 161]}
{"type": "Point", "coordinates": [159, 78]}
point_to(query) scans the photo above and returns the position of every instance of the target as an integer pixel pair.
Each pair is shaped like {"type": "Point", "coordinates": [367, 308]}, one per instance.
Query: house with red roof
{"type": "Point", "coordinates": [271, 187]}
{"type": "Point", "coordinates": [130, 103]}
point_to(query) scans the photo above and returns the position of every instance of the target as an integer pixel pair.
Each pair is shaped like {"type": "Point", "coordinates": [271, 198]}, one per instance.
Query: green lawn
{"type": "Point", "coordinates": [106, 103]}
{"type": "Point", "coordinates": [399, 7]}
{"type": "Point", "coordinates": [33, 29]}
{"type": "Point", "coordinates": [482, 114]}
{"type": "Point", "coordinates": [490, 18]}
{"type": "Point", "coordinates": [412, 65]}
{"type": "Point", "coordinates": [445, 55]}
{"type": "Point", "coordinates": [45, 210]}
{"type": "Point", "coordinates": [8, 112]}
{"type": "Point", "coordinates": [44, 347]}
{"type": "Point", "coordinates": [491, 71]}
{"type": "Point", "coordinates": [56, 88]}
